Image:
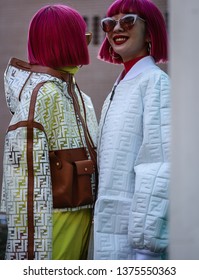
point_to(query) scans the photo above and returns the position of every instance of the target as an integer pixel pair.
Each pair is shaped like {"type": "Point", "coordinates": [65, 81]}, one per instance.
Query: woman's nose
{"type": "Point", "coordinates": [117, 26]}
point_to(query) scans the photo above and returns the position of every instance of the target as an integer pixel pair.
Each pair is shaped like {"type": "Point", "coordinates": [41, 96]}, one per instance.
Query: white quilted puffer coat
{"type": "Point", "coordinates": [130, 220]}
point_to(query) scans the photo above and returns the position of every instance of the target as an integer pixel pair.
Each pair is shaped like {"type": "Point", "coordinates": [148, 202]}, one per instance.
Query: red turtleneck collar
{"type": "Point", "coordinates": [129, 64]}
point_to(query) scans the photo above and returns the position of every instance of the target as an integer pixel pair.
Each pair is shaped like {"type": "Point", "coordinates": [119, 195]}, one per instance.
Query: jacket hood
{"type": "Point", "coordinates": [14, 82]}
{"type": "Point", "coordinates": [20, 75]}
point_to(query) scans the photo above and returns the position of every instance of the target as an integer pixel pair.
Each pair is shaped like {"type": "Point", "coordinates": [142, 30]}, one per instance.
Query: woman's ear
{"type": "Point", "coordinates": [148, 42]}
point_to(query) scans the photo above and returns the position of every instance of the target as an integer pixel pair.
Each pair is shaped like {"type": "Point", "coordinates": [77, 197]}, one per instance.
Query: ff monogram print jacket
{"type": "Point", "coordinates": [41, 122]}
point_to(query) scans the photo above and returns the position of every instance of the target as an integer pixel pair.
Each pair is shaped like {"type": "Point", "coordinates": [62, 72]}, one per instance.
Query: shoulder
{"type": "Point", "coordinates": [154, 80]}
{"type": "Point", "coordinates": [155, 73]}
{"type": "Point", "coordinates": [51, 87]}
{"type": "Point", "coordinates": [50, 90]}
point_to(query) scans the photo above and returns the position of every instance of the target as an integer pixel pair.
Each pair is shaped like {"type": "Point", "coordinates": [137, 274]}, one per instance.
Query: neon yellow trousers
{"type": "Point", "coordinates": [71, 232]}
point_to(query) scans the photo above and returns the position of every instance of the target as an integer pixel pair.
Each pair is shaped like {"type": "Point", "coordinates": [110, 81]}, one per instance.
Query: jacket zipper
{"type": "Point", "coordinates": [111, 98]}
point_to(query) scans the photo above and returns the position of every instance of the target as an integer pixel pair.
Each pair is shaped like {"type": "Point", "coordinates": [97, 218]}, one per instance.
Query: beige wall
{"type": "Point", "coordinates": [95, 79]}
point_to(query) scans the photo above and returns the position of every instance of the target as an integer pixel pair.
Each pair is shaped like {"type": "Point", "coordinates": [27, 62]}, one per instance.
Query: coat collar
{"type": "Point", "coordinates": [137, 69]}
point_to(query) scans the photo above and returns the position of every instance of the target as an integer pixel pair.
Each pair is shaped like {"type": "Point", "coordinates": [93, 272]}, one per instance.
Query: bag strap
{"type": "Point", "coordinates": [32, 68]}
{"type": "Point", "coordinates": [89, 142]}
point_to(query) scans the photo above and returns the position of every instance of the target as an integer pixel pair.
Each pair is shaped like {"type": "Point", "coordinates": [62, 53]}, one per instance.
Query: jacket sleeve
{"type": "Point", "coordinates": [148, 221]}
{"type": "Point", "coordinates": [49, 111]}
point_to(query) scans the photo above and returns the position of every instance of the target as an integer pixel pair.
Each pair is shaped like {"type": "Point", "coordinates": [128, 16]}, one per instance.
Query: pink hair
{"type": "Point", "coordinates": [56, 37]}
{"type": "Point", "coordinates": [155, 27]}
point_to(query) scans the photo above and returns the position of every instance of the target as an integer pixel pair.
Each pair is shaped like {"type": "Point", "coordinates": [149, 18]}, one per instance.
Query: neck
{"type": "Point", "coordinates": [70, 69]}
{"type": "Point", "coordinates": [129, 64]}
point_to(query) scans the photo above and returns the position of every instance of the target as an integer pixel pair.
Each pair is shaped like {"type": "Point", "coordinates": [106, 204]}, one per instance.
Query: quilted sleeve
{"type": "Point", "coordinates": [148, 221]}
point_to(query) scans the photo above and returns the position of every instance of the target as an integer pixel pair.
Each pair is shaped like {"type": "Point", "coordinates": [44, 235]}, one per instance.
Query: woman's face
{"type": "Point", "coordinates": [129, 44]}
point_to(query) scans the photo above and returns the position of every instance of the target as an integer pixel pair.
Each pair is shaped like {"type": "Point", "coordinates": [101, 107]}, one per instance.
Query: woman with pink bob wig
{"type": "Point", "coordinates": [47, 132]}
{"type": "Point", "coordinates": [57, 38]}
{"type": "Point", "coordinates": [155, 27]}
{"type": "Point", "coordinates": [130, 217]}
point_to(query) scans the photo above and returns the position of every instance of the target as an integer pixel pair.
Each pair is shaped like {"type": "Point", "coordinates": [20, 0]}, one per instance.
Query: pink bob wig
{"type": "Point", "coordinates": [155, 27]}
{"type": "Point", "coordinates": [56, 37]}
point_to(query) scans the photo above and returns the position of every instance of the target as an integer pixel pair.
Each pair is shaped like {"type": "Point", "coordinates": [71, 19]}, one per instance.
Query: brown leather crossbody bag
{"type": "Point", "coordinates": [71, 172]}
